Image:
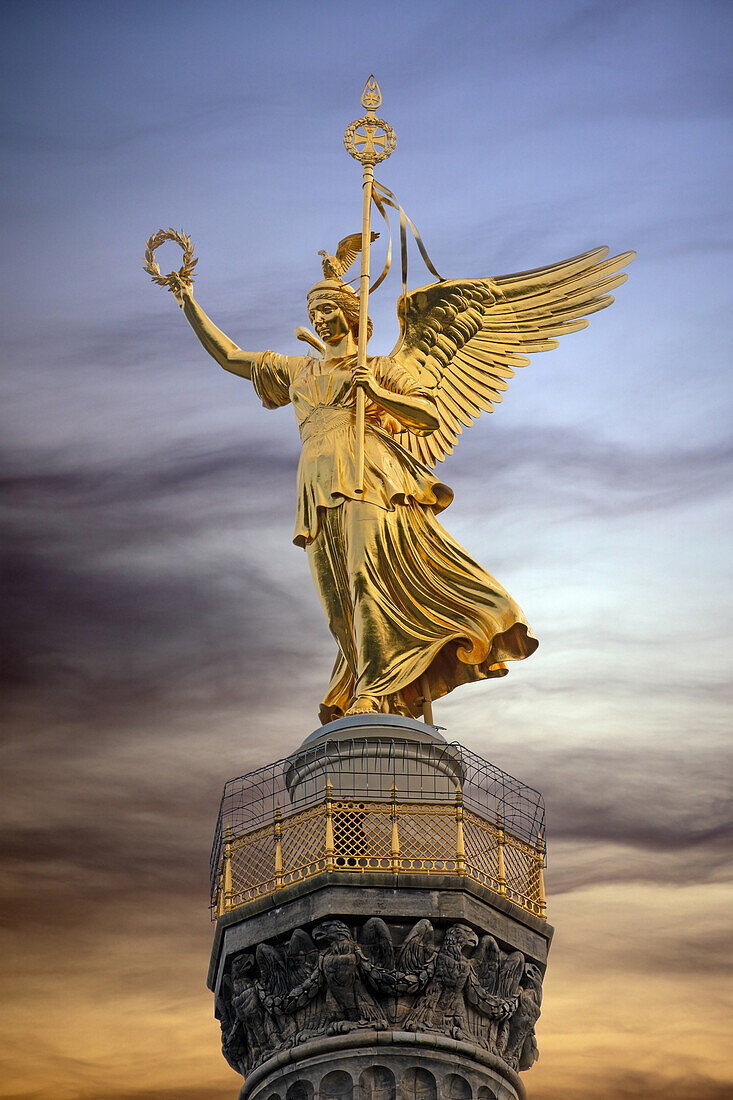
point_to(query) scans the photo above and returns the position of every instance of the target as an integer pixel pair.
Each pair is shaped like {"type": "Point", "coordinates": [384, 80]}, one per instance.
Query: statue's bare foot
{"type": "Point", "coordinates": [365, 704]}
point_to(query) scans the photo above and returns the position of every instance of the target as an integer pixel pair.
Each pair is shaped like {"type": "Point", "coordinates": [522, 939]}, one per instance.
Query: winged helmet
{"type": "Point", "coordinates": [347, 250]}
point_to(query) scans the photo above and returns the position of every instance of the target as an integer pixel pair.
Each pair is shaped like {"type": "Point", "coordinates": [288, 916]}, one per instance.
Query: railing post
{"type": "Point", "coordinates": [460, 844]}
{"type": "Point", "coordinates": [541, 875]}
{"type": "Point", "coordinates": [395, 845]}
{"type": "Point", "coordinates": [227, 887]}
{"type": "Point", "coordinates": [500, 870]}
{"type": "Point", "coordinates": [330, 849]}
{"type": "Point", "coordinates": [278, 849]}
{"type": "Point", "coordinates": [219, 906]}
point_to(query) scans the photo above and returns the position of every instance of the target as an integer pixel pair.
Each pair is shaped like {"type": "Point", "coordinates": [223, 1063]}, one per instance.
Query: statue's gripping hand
{"type": "Point", "coordinates": [364, 377]}
{"type": "Point", "coordinates": [415, 412]}
{"type": "Point", "coordinates": [180, 288]}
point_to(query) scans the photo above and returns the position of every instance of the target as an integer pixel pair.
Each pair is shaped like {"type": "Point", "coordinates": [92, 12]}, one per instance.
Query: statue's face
{"type": "Point", "coordinates": [329, 321]}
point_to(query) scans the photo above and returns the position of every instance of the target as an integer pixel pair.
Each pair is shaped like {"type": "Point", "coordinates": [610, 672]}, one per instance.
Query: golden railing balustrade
{"type": "Point", "coordinates": [377, 835]}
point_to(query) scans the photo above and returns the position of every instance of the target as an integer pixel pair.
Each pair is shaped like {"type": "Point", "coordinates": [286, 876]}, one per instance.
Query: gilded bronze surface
{"type": "Point", "coordinates": [412, 614]}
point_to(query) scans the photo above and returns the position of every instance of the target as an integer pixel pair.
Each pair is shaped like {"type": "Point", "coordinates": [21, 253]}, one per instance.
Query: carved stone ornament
{"type": "Point", "coordinates": [330, 982]}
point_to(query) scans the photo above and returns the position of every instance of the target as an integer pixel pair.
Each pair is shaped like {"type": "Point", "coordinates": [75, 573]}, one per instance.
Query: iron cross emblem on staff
{"type": "Point", "coordinates": [370, 140]}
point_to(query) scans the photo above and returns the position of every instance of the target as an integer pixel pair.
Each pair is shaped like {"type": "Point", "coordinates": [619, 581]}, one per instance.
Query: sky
{"type": "Point", "coordinates": [159, 630]}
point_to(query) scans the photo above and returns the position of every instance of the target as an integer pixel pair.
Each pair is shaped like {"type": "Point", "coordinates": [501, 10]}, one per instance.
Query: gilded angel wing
{"type": "Point", "coordinates": [462, 338]}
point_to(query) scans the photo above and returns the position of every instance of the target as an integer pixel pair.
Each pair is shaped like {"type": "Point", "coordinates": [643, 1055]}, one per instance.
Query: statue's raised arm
{"type": "Point", "coordinates": [219, 346]}
{"type": "Point", "coordinates": [180, 283]}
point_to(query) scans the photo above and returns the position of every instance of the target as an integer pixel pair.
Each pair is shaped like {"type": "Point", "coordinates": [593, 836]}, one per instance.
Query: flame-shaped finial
{"type": "Point", "coordinates": [371, 97]}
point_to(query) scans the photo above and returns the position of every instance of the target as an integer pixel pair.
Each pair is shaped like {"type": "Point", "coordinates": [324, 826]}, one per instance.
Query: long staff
{"type": "Point", "coordinates": [369, 140]}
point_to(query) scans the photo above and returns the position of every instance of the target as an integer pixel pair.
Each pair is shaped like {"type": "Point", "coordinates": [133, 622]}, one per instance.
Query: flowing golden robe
{"type": "Point", "coordinates": [401, 596]}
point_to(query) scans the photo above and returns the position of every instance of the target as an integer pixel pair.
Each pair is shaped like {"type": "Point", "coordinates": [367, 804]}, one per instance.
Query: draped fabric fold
{"type": "Point", "coordinates": [404, 599]}
{"type": "Point", "coordinates": [401, 596]}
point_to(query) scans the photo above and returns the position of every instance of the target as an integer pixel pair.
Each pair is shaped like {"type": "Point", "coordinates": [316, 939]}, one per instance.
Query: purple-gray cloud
{"type": "Point", "coordinates": [158, 632]}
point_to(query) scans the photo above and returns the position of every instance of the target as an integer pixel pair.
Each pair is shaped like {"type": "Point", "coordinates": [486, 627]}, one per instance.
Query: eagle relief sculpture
{"type": "Point", "coordinates": [412, 614]}
{"type": "Point", "coordinates": [328, 982]}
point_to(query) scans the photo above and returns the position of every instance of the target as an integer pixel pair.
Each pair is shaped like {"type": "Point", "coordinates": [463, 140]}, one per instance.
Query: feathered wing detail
{"type": "Point", "coordinates": [347, 250]}
{"type": "Point", "coordinates": [463, 338]}
{"type": "Point", "coordinates": [376, 943]}
{"type": "Point", "coordinates": [510, 975]}
{"type": "Point", "coordinates": [486, 962]}
{"type": "Point", "coordinates": [273, 969]}
{"type": "Point", "coordinates": [418, 949]}
{"type": "Point", "coordinates": [301, 957]}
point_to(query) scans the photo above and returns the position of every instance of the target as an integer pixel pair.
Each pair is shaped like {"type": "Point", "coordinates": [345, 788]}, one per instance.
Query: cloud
{"type": "Point", "coordinates": [163, 591]}
{"type": "Point", "coordinates": [159, 632]}
{"type": "Point", "coordinates": [594, 477]}
{"type": "Point", "coordinates": [639, 1086]}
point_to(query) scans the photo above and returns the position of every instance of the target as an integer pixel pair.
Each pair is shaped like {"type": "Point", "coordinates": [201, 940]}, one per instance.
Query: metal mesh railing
{"type": "Point", "coordinates": [369, 768]}
{"type": "Point", "coordinates": [378, 806]}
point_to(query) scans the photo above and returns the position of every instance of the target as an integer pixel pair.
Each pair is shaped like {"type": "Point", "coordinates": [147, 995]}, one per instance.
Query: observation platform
{"type": "Point", "coordinates": [355, 799]}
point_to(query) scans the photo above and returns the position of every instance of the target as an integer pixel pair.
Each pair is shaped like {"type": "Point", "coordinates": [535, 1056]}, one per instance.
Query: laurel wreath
{"type": "Point", "coordinates": [375, 157]}
{"type": "Point", "coordinates": [173, 280]}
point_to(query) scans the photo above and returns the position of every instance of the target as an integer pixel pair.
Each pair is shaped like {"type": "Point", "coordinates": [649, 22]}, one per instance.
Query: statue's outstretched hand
{"type": "Point", "coordinates": [179, 287]}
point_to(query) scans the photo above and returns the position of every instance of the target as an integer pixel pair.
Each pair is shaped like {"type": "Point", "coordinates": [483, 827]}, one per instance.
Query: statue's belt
{"type": "Point", "coordinates": [326, 419]}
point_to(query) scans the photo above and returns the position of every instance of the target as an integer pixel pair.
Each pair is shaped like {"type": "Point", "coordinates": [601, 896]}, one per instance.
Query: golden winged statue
{"type": "Point", "coordinates": [413, 615]}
